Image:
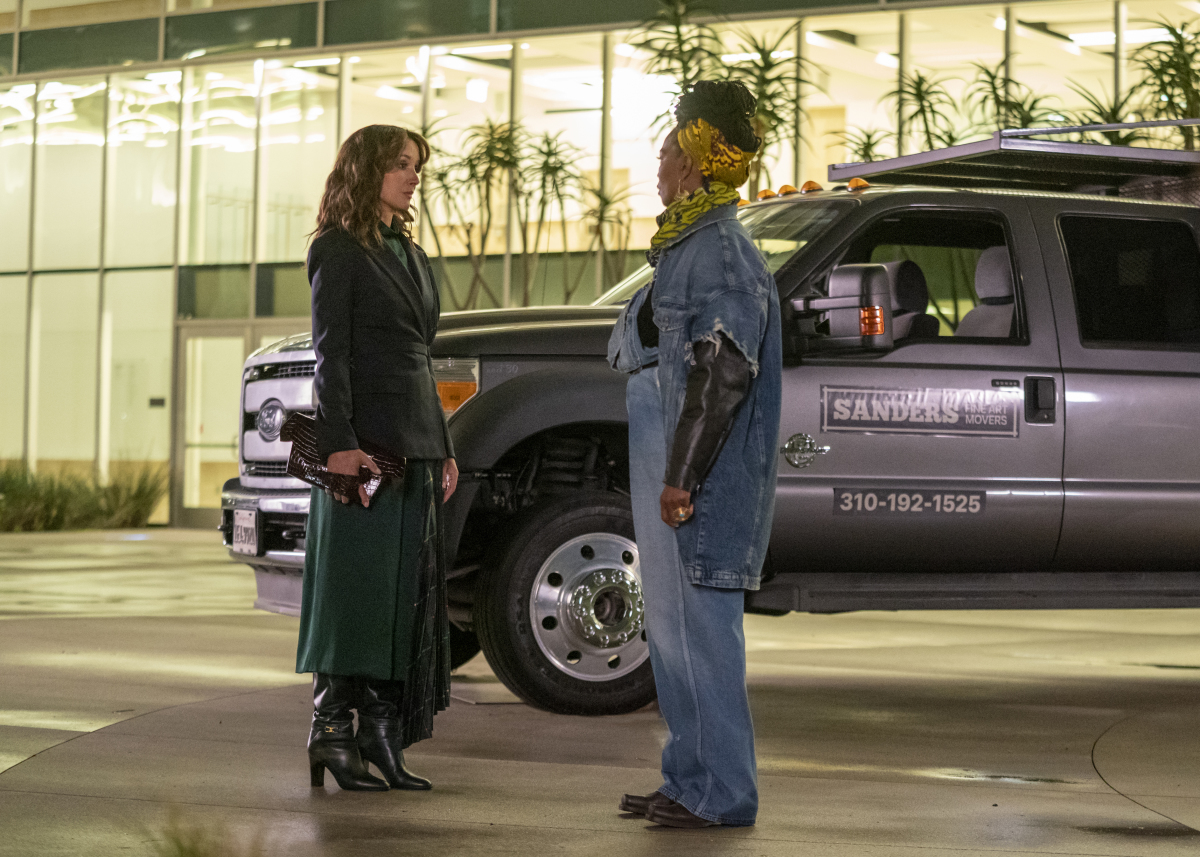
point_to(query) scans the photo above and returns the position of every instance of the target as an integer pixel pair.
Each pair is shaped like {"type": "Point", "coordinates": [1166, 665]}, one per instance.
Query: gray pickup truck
{"type": "Point", "coordinates": [991, 400]}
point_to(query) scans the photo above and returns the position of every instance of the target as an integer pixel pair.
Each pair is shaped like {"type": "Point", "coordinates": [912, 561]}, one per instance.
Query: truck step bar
{"type": "Point", "coordinates": [839, 592]}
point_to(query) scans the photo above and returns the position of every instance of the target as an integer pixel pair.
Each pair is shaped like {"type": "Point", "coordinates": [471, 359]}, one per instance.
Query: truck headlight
{"type": "Point", "coordinates": [457, 381]}
{"type": "Point", "coordinates": [270, 419]}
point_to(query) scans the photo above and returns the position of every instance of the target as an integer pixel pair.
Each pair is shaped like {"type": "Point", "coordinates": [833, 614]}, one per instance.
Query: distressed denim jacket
{"type": "Point", "coordinates": [710, 280]}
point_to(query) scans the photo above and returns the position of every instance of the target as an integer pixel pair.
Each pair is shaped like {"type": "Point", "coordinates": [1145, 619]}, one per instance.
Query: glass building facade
{"type": "Point", "coordinates": [161, 162]}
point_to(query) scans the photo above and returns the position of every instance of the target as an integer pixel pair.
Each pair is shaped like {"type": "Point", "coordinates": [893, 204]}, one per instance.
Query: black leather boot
{"type": "Point", "coordinates": [379, 732]}
{"type": "Point", "coordinates": [331, 742]}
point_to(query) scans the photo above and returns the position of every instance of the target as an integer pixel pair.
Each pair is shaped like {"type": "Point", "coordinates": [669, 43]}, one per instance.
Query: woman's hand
{"type": "Point", "coordinates": [676, 505]}
{"type": "Point", "coordinates": [347, 463]}
{"type": "Point", "coordinates": [449, 478]}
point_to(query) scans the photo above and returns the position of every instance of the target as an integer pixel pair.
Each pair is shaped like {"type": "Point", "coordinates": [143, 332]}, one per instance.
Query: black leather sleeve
{"type": "Point", "coordinates": [716, 387]}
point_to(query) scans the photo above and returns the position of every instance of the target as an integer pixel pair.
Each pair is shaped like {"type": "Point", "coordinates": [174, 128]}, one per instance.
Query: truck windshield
{"type": "Point", "coordinates": [780, 231]}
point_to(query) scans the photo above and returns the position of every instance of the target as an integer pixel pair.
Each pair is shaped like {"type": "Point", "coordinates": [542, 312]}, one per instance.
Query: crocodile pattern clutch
{"type": "Point", "coordinates": [305, 462]}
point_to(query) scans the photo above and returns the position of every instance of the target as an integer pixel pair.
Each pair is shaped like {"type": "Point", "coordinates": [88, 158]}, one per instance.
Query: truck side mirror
{"type": "Point", "coordinates": [858, 310]}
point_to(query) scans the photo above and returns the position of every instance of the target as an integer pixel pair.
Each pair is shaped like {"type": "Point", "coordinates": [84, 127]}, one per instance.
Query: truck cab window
{"type": "Point", "coordinates": [1136, 282]}
{"type": "Point", "coordinates": [964, 263]}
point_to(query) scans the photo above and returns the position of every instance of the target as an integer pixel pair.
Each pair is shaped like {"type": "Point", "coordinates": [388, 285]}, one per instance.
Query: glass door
{"type": "Point", "coordinates": [210, 379]}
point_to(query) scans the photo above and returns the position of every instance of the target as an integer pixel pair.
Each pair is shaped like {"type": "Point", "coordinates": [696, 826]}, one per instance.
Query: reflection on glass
{"type": "Point", "coordinates": [469, 107]}
{"type": "Point", "coordinates": [135, 371]}
{"type": "Point", "coordinates": [562, 87]}
{"type": "Point", "coordinates": [70, 141]}
{"type": "Point", "coordinates": [214, 291]}
{"type": "Point", "coordinates": [212, 386]}
{"type": "Point", "coordinates": [16, 148]}
{"type": "Point", "coordinates": [39, 14]}
{"type": "Point", "coordinates": [218, 126]}
{"type": "Point", "coordinates": [62, 373]}
{"type": "Point", "coordinates": [143, 127]}
{"type": "Point", "coordinates": [855, 67]}
{"type": "Point", "coordinates": [299, 110]}
{"type": "Point", "coordinates": [282, 291]}
{"type": "Point", "coordinates": [12, 358]}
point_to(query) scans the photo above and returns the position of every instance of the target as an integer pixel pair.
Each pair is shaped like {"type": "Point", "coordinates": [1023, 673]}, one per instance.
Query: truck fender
{"type": "Point", "coordinates": [503, 416]}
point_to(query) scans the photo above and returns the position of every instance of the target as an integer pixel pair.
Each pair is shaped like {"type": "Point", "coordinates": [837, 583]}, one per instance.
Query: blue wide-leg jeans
{"type": "Point", "coordinates": [697, 646]}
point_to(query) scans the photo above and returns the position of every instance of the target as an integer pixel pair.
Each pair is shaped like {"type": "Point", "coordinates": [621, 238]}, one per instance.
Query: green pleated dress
{"type": "Point", "coordinates": [374, 600]}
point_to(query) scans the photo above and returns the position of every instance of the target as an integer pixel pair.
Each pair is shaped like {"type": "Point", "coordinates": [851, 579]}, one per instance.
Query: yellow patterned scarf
{"type": "Point", "coordinates": [683, 212]}
{"type": "Point", "coordinates": [717, 158]}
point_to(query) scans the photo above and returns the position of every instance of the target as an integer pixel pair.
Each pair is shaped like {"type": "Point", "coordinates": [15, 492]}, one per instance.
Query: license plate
{"type": "Point", "coordinates": [245, 531]}
{"type": "Point", "coordinates": [908, 501]}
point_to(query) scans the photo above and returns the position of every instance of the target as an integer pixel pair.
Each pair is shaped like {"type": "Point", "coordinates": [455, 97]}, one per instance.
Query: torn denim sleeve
{"type": "Point", "coordinates": [732, 317]}
{"type": "Point", "coordinates": [625, 350]}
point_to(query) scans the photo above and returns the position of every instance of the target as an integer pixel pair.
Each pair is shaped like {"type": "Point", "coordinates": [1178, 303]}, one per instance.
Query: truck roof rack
{"type": "Point", "coordinates": [1013, 159]}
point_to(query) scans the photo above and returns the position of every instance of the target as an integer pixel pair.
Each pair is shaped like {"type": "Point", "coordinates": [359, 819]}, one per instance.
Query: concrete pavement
{"type": "Point", "coordinates": [138, 689]}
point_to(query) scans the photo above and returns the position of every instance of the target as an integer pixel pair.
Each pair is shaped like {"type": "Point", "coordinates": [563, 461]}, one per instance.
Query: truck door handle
{"type": "Point", "coordinates": [1041, 399]}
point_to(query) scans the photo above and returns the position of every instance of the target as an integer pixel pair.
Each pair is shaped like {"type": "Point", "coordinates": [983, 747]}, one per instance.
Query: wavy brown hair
{"type": "Point", "coordinates": [351, 199]}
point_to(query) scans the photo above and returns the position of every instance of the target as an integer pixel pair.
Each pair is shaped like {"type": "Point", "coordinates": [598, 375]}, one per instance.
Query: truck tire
{"type": "Point", "coordinates": [560, 613]}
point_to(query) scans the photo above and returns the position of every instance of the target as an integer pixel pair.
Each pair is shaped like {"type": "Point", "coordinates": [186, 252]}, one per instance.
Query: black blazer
{"type": "Point", "coordinates": [372, 334]}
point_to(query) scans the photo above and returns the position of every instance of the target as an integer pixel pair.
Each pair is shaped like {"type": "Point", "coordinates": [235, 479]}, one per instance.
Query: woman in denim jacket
{"type": "Point", "coordinates": [702, 344]}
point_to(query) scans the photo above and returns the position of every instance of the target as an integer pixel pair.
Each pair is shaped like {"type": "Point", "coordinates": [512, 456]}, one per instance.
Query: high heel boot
{"type": "Point", "coordinates": [331, 742]}
{"type": "Point", "coordinates": [379, 739]}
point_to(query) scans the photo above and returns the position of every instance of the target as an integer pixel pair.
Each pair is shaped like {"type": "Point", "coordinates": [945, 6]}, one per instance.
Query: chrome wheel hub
{"type": "Point", "coordinates": [586, 608]}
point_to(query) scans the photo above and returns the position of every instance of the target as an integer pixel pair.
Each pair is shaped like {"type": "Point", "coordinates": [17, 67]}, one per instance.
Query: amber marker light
{"type": "Point", "coordinates": [870, 321]}
{"type": "Point", "coordinates": [454, 393]}
{"type": "Point", "coordinates": [809, 187]}
{"type": "Point", "coordinates": [787, 190]}
{"type": "Point", "coordinates": [767, 193]}
{"type": "Point", "coordinates": [857, 183]}
{"type": "Point", "coordinates": [742, 202]}
{"type": "Point", "coordinates": [457, 381]}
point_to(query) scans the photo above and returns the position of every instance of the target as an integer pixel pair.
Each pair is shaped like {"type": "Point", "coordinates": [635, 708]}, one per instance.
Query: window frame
{"type": "Point", "coordinates": [820, 276]}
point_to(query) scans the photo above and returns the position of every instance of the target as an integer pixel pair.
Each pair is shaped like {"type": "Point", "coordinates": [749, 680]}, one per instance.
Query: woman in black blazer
{"type": "Point", "coordinates": [373, 624]}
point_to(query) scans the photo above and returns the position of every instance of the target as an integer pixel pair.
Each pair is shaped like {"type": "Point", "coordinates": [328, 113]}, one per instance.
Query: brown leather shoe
{"type": "Point", "coordinates": [675, 815]}
{"type": "Point", "coordinates": [640, 804]}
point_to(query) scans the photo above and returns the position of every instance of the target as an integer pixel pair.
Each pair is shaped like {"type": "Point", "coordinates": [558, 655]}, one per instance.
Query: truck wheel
{"type": "Point", "coordinates": [560, 615]}
{"type": "Point", "coordinates": [463, 646]}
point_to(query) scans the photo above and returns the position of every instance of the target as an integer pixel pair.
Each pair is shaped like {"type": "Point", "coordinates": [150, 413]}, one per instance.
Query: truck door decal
{"type": "Point", "coordinates": [930, 410]}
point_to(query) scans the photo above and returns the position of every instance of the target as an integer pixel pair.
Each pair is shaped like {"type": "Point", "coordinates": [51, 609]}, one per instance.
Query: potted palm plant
{"type": "Point", "coordinates": [1171, 77]}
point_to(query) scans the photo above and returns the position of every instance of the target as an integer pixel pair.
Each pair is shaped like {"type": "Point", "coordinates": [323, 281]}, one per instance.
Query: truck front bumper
{"type": "Point", "coordinates": [282, 518]}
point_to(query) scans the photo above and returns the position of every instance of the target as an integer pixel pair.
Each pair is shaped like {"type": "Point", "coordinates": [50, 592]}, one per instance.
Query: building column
{"type": "Point", "coordinates": [425, 225]}
{"type": "Point", "coordinates": [606, 145]}
{"type": "Point", "coordinates": [798, 125]}
{"type": "Point", "coordinates": [511, 216]}
{"type": "Point", "coordinates": [1120, 22]}
{"type": "Point", "coordinates": [903, 70]}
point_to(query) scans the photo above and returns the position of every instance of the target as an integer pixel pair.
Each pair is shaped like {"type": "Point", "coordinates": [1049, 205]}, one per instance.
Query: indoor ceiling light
{"type": "Point", "coordinates": [317, 63]}
{"type": "Point", "coordinates": [1132, 37]}
{"type": "Point", "coordinates": [779, 55]}
{"type": "Point", "coordinates": [482, 49]}
{"type": "Point", "coordinates": [393, 94]}
{"type": "Point", "coordinates": [819, 41]}
{"type": "Point", "coordinates": [477, 90]}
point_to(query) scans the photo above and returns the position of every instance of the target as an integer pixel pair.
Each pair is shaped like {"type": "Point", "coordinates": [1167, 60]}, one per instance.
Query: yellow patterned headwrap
{"type": "Point", "coordinates": [717, 158]}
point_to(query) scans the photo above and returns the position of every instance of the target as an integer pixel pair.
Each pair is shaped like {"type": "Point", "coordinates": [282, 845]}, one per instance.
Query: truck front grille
{"type": "Point", "coordinates": [270, 371]}
{"type": "Point", "coordinates": [266, 468]}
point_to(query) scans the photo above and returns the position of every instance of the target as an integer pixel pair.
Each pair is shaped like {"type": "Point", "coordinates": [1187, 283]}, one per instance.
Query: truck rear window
{"type": "Point", "coordinates": [1136, 282]}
